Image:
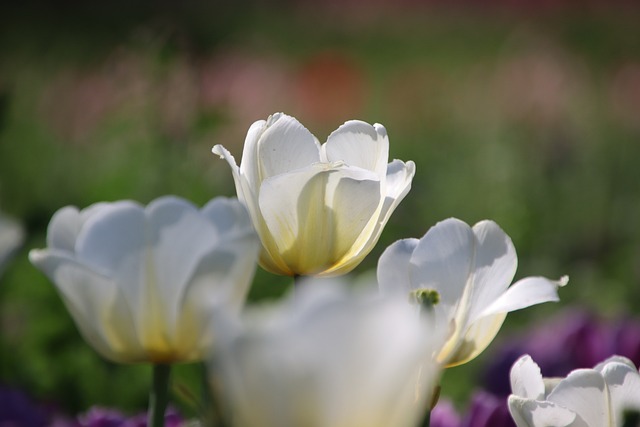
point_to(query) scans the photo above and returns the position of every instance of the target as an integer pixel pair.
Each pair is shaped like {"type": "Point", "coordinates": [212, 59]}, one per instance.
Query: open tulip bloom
{"type": "Point", "coordinates": [466, 272]}
{"type": "Point", "coordinates": [143, 283]}
{"type": "Point", "coordinates": [326, 358]}
{"type": "Point", "coordinates": [318, 209]}
{"type": "Point", "coordinates": [598, 397]}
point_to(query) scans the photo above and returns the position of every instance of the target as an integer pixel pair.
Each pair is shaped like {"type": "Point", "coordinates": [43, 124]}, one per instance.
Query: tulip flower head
{"type": "Point", "coordinates": [469, 269]}
{"type": "Point", "coordinates": [327, 357]}
{"type": "Point", "coordinates": [143, 283]}
{"type": "Point", "coordinates": [318, 209]}
{"type": "Point", "coordinates": [598, 397]}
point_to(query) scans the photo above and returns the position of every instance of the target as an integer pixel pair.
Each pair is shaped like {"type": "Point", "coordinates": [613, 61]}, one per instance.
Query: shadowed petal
{"type": "Point", "coordinates": [283, 146]}
{"type": "Point", "coordinates": [394, 268]}
{"type": "Point", "coordinates": [526, 379]}
{"type": "Point", "coordinates": [531, 413]}
{"type": "Point", "coordinates": [443, 259]}
{"type": "Point", "coordinates": [94, 303]}
{"type": "Point", "coordinates": [494, 266]}
{"type": "Point", "coordinates": [584, 391]}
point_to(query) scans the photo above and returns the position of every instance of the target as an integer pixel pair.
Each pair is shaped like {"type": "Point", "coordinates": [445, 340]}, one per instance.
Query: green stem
{"type": "Point", "coordinates": [426, 421]}
{"type": "Point", "coordinates": [159, 396]}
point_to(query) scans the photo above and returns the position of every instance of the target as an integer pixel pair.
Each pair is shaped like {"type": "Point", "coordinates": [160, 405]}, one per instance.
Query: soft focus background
{"type": "Point", "coordinates": [524, 112]}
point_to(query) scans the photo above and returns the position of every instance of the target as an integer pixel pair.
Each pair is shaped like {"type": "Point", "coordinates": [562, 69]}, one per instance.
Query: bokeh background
{"type": "Point", "coordinates": [524, 112]}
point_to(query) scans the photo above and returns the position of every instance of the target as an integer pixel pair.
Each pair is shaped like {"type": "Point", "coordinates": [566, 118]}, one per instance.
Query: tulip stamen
{"type": "Point", "coordinates": [426, 298]}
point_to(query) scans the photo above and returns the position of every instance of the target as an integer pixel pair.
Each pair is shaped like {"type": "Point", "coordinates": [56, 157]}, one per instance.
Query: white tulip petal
{"type": "Point", "coordinates": [245, 193]}
{"type": "Point", "coordinates": [467, 343]}
{"type": "Point", "coordinates": [113, 242]}
{"type": "Point", "coordinates": [178, 237]}
{"type": "Point", "coordinates": [623, 383]}
{"type": "Point", "coordinates": [443, 260]}
{"type": "Point", "coordinates": [284, 146]}
{"type": "Point", "coordinates": [529, 413]}
{"type": "Point", "coordinates": [360, 145]}
{"type": "Point", "coordinates": [231, 269]}
{"type": "Point", "coordinates": [228, 216]}
{"type": "Point", "coordinates": [584, 391]}
{"type": "Point", "coordinates": [63, 229]}
{"type": "Point", "coordinates": [398, 179]}
{"type": "Point", "coordinates": [526, 379]}
{"type": "Point", "coordinates": [397, 186]}
{"type": "Point", "coordinates": [494, 266]}
{"type": "Point", "coordinates": [394, 268]}
{"type": "Point", "coordinates": [340, 361]}
{"type": "Point", "coordinates": [525, 293]}
{"type": "Point", "coordinates": [355, 202]}
{"type": "Point", "coordinates": [250, 162]}
{"type": "Point", "coordinates": [298, 210]}
{"type": "Point", "coordinates": [93, 301]}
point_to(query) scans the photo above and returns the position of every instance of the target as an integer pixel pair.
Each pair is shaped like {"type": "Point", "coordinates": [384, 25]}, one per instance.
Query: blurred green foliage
{"type": "Point", "coordinates": [532, 121]}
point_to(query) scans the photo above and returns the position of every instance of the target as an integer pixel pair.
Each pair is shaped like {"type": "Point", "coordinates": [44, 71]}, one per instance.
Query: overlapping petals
{"type": "Point", "coordinates": [318, 209]}
{"type": "Point", "coordinates": [143, 283]}
{"type": "Point", "coordinates": [327, 357]}
{"type": "Point", "coordinates": [470, 269]}
{"type": "Point", "coordinates": [597, 397]}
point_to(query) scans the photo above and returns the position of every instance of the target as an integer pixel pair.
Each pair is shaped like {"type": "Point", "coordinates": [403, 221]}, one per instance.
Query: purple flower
{"type": "Point", "coordinates": [18, 410]}
{"type": "Point", "coordinates": [575, 339]}
{"type": "Point", "coordinates": [444, 415]}
{"type": "Point", "coordinates": [487, 410]}
{"type": "Point", "coordinates": [104, 417]}
{"type": "Point", "coordinates": [101, 417]}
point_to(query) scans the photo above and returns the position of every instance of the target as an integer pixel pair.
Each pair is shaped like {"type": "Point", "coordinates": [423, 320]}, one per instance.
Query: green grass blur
{"type": "Point", "coordinates": [529, 119]}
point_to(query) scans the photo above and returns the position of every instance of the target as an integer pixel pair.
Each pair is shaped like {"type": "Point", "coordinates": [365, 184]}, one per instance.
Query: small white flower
{"type": "Point", "coordinates": [319, 209]}
{"type": "Point", "coordinates": [470, 269]}
{"type": "Point", "coordinates": [327, 357]}
{"type": "Point", "coordinates": [143, 283]}
{"type": "Point", "coordinates": [595, 397]}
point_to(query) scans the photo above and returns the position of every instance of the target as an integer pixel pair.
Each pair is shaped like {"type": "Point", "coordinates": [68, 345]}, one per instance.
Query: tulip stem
{"type": "Point", "coordinates": [159, 396]}
{"type": "Point", "coordinates": [426, 421]}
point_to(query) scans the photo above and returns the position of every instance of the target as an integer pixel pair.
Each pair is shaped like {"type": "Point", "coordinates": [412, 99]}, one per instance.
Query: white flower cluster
{"type": "Point", "coordinates": [166, 283]}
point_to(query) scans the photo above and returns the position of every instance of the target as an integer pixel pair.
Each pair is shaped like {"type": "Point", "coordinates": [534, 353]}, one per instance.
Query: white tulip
{"type": "Point", "coordinates": [319, 209]}
{"type": "Point", "coordinates": [596, 397]}
{"type": "Point", "coordinates": [326, 358]}
{"type": "Point", "coordinates": [143, 283]}
{"type": "Point", "coordinates": [11, 237]}
{"type": "Point", "coordinates": [471, 270]}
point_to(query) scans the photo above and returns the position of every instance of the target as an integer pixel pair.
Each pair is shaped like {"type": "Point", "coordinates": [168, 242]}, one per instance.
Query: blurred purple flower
{"type": "Point", "coordinates": [104, 417]}
{"type": "Point", "coordinates": [444, 415]}
{"type": "Point", "coordinates": [575, 339]}
{"type": "Point", "coordinates": [487, 410]}
{"type": "Point", "coordinates": [18, 410]}
{"type": "Point", "coordinates": [101, 417]}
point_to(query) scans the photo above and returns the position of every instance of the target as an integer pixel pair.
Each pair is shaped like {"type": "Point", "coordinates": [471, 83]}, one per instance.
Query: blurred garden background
{"type": "Point", "coordinates": [527, 113]}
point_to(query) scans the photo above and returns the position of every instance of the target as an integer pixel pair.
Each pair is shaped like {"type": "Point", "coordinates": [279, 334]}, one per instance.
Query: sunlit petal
{"type": "Point", "coordinates": [361, 145]}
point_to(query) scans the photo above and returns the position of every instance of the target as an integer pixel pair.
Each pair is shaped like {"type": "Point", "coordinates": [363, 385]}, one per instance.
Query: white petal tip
{"type": "Point", "coordinates": [35, 255]}
{"type": "Point", "coordinates": [219, 150]}
{"type": "Point", "coordinates": [563, 281]}
{"type": "Point", "coordinates": [382, 131]}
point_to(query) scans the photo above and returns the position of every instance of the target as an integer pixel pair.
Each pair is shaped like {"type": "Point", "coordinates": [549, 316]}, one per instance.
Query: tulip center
{"type": "Point", "coordinates": [426, 298]}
